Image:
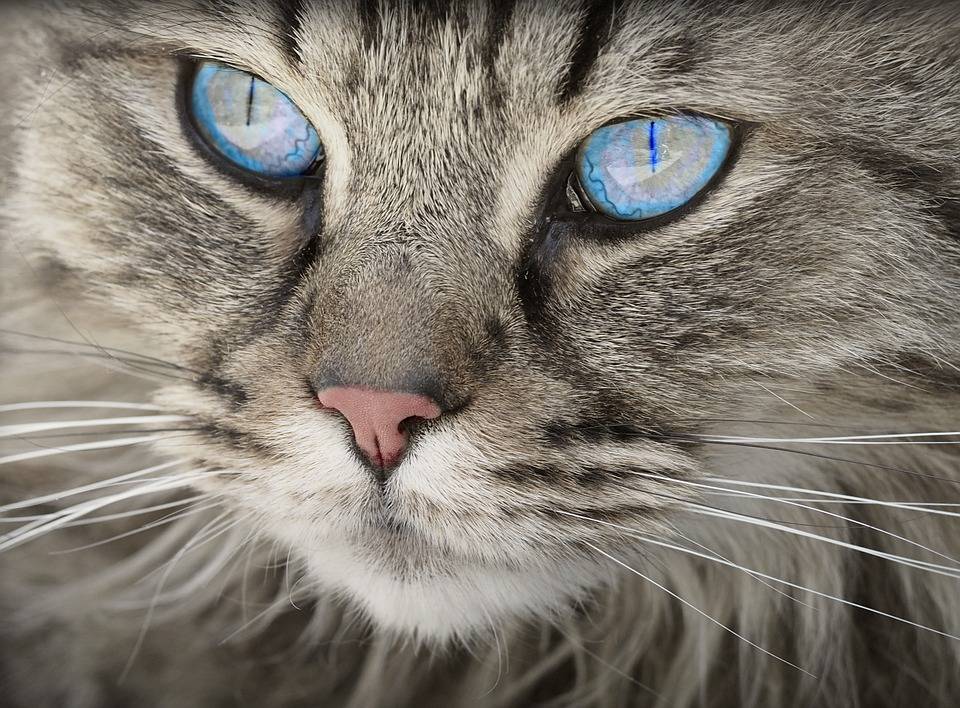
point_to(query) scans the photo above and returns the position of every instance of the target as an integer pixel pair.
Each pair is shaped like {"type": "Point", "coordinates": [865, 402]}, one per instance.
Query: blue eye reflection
{"type": "Point", "coordinates": [251, 123]}
{"type": "Point", "coordinates": [639, 169]}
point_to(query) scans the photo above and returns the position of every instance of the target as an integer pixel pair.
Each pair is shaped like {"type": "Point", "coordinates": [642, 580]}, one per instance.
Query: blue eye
{"type": "Point", "coordinates": [251, 123]}
{"type": "Point", "coordinates": [639, 169]}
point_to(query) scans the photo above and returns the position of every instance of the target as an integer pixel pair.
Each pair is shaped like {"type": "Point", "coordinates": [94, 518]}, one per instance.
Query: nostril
{"type": "Point", "coordinates": [409, 425]}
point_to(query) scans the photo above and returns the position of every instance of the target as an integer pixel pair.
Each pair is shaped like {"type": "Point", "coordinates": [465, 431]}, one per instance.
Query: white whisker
{"type": "Point", "coordinates": [913, 506]}
{"type": "Point", "coordinates": [696, 609]}
{"type": "Point", "coordinates": [935, 568]}
{"type": "Point", "coordinates": [168, 569]}
{"type": "Point", "coordinates": [60, 518]}
{"type": "Point", "coordinates": [28, 428]}
{"type": "Point", "coordinates": [745, 570]}
{"type": "Point", "coordinates": [96, 486]}
{"type": "Point", "coordinates": [886, 439]}
{"type": "Point", "coordinates": [814, 509]}
{"type": "Point", "coordinates": [105, 518]}
{"type": "Point", "coordinates": [168, 519]}
{"type": "Point", "coordinates": [781, 398]}
{"type": "Point", "coordinates": [82, 447]}
{"type": "Point", "coordinates": [665, 544]}
{"type": "Point", "coordinates": [924, 507]}
{"type": "Point", "coordinates": [209, 532]}
{"type": "Point", "coordinates": [196, 580]}
{"type": "Point", "coordinates": [40, 405]}
{"type": "Point", "coordinates": [270, 608]}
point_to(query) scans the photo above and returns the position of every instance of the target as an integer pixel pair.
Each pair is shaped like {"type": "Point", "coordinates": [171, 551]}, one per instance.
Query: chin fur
{"type": "Point", "coordinates": [461, 605]}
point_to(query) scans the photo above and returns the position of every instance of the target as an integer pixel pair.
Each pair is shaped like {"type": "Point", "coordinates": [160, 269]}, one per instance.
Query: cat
{"type": "Point", "coordinates": [439, 404]}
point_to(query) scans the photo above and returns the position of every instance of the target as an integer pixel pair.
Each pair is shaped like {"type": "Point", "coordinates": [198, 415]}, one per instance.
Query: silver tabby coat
{"type": "Point", "coordinates": [616, 510]}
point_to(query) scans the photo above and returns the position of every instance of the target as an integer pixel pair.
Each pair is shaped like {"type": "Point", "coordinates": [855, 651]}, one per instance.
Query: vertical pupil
{"type": "Point", "coordinates": [253, 83]}
{"type": "Point", "coordinates": [652, 142]}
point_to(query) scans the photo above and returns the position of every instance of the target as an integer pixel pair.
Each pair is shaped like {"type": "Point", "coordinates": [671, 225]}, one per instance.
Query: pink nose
{"type": "Point", "coordinates": [376, 418]}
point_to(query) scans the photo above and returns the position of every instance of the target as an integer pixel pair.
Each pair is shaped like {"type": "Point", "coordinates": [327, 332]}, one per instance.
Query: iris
{"type": "Point", "coordinates": [251, 123]}
{"type": "Point", "coordinates": [639, 169]}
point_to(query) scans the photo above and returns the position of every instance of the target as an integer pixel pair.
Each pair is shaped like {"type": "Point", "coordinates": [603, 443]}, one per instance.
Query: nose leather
{"type": "Point", "coordinates": [376, 418]}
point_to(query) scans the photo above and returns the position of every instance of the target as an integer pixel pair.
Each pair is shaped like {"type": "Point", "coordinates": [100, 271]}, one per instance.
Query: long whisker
{"type": "Point", "coordinates": [32, 439]}
{"type": "Point", "coordinates": [120, 364]}
{"type": "Point", "coordinates": [756, 577]}
{"type": "Point", "coordinates": [755, 421]}
{"type": "Point", "coordinates": [139, 511]}
{"type": "Point", "coordinates": [81, 447]}
{"type": "Point", "coordinates": [107, 351]}
{"type": "Point", "coordinates": [169, 566]}
{"type": "Point", "coordinates": [28, 428]}
{"type": "Point", "coordinates": [665, 544]}
{"type": "Point", "coordinates": [620, 672]}
{"type": "Point", "coordinates": [122, 574]}
{"type": "Point", "coordinates": [212, 567]}
{"type": "Point", "coordinates": [880, 439]}
{"type": "Point", "coordinates": [58, 496]}
{"type": "Point", "coordinates": [817, 455]}
{"type": "Point", "coordinates": [736, 494]}
{"type": "Point", "coordinates": [696, 609]}
{"type": "Point", "coordinates": [782, 399]}
{"type": "Point", "coordinates": [935, 568]}
{"type": "Point", "coordinates": [40, 405]}
{"type": "Point", "coordinates": [103, 518]}
{"type": "Point", "coordinates": [925, 507]}
{"type": "Point", "coordinates": [272, 607]}
{"type": "Point", "coordinates": [168, 519]}
{"type": "Point", "coordinates": [856, 522]}
{"type": "Point", "coordinates": [64, 516]}
{"type": "Point", "coordinates": [205, 535]}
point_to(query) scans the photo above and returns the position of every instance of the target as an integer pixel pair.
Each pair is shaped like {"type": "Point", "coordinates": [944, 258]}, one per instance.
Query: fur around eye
{"type": "Point", "coordinates": [251, 123]}
{"type": "Point", "coordinates": [639, 169]}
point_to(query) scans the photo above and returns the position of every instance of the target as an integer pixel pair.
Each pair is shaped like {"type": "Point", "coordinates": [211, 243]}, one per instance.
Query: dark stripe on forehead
{"type": "Point", "coordinates": [291, 20]}
{"type": "Point", "coordinates": [948, 211]}
{"type": "Point", "coordinates": [939, 184]}
{"type": "Point", "coordinates": [428, 14]}
{"type": "Point", "coordinates": [900, 170]}
{"type": "Point", "coordinates": [499, 17]}
{"type": "Point", "coordinates": [498, 21]}
{"type": "Point", "coordinates": [434, 13]}
{"type": "Point", "coordinates": [595, 29]}
{"type": "Point", "coordinates": [368, 12]}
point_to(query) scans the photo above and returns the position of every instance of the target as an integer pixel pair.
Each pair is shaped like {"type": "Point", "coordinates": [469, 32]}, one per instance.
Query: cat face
{"type": "Point", "coordinates": [432, 251]}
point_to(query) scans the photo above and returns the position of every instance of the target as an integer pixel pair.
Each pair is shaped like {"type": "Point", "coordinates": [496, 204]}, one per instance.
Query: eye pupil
{"type": "Point", "coordinates": [652, 139]}
{"type": "Point", "coordinates": [252, 124]}
{"type": "Point", "coordinates": [639, 169]}
{"type": "Point", "coordinates": [253, 86]}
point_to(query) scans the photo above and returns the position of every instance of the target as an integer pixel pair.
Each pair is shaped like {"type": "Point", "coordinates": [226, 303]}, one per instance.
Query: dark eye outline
{"type": "Point", "coordinates": [283, 187]}
{"type": "Point", "coordinates": [565, 193]}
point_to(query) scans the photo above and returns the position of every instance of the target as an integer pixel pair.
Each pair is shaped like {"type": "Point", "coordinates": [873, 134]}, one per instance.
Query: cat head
{"type": "Point", "coordinates": [429, 361]}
